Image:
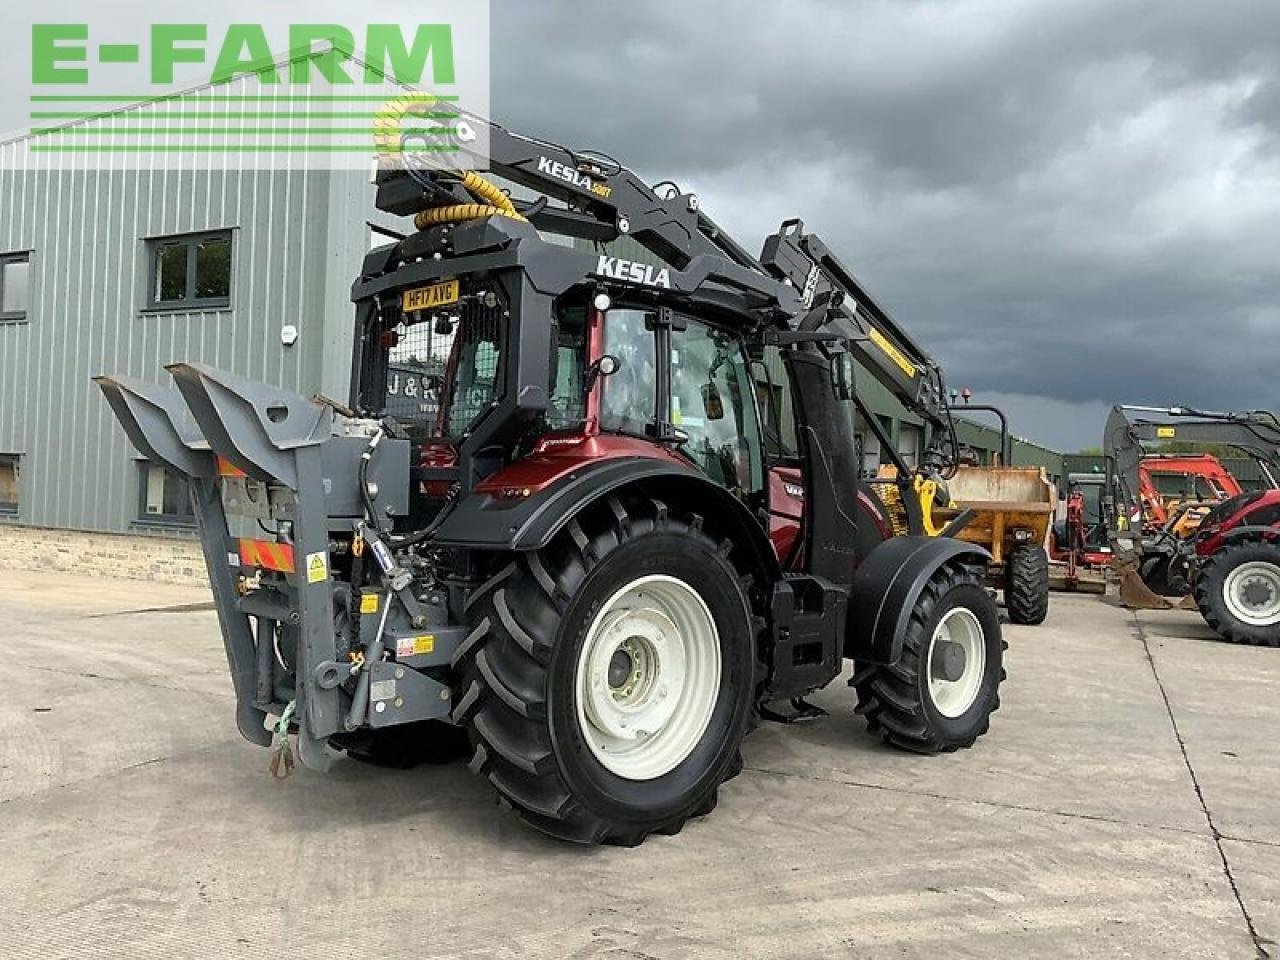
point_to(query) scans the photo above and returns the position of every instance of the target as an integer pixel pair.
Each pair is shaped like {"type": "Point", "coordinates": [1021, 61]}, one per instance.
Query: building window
{"type": "Point", "coordinates": [191, 272]}
{"type": "Point", "coordinates": [10, 475]}
{"type": "Point", "coordinates": [164, 497]}
{"type": "Point", "coordinates": [15, 269]}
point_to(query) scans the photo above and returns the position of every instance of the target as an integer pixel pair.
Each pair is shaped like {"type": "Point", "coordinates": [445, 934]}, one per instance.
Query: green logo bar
{"type": "Point", "coordinates": [193, 88]}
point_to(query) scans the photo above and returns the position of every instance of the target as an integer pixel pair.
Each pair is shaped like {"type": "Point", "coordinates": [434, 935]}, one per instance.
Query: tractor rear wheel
{"type": "Point", "coordinates": [609, 678]}
{"type": "Point", "coordinates": [1238, 593]}
{"type": "Point", "coordinates": [941, 693]}
{"type": "Point", "coordinates": [1026, 585]}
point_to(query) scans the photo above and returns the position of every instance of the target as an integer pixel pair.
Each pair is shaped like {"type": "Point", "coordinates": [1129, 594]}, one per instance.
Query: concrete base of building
{"type": "Point", "coordinates": [154, 557]}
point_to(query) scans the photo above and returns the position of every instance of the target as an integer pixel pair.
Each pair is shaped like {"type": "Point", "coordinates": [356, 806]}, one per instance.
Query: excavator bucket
{"type": "Point", "coordinates": [1135, 594]}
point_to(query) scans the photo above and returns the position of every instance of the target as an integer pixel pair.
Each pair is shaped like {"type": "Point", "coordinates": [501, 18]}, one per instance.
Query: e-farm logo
{"type": "Point", "coordinates": [60, 53]}
{"type": "Point", "coordinates": [361, 90]}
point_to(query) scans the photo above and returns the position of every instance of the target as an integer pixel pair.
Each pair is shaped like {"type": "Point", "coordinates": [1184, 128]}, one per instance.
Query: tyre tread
{"type": "Point", "coordinates": [503, 666]}
{"type": "Point", "coordinates": [888, 697]}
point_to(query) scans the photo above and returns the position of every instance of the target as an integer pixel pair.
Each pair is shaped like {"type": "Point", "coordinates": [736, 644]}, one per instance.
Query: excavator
{"type": "Point", "coordinates": [578, 550]}
{"type": "Point", "coordinates": [1223, 552]}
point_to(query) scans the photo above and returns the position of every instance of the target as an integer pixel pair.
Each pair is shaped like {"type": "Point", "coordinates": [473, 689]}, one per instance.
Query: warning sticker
{"type": "Point", "coordinates": [894, 354]}
{"type": "Point", "coordinates": [317, 567]}
{"type": "Point", "coordinates": [414, 646]}
{"type": "Point", "coordinates": [369, 603]}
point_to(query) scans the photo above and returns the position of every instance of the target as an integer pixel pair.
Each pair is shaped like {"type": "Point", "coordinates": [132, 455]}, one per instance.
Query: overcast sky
{"type": "Point", "coordinates": [1068, 202]}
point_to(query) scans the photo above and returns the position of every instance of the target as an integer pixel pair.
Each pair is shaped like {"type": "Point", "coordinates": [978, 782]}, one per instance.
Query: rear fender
{"type": "Point", "coordinates": [887, 587]}
{"type": "Point", "coordinates": [1248, 531]}
{"type": "Point", "coordinates": [491, 521]}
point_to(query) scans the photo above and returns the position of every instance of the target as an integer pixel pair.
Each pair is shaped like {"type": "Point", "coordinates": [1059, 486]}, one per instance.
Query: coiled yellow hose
{"type": "Point", "coordinates": [459, 212]}
{"type": "Point", "coordinates": [387, 140]}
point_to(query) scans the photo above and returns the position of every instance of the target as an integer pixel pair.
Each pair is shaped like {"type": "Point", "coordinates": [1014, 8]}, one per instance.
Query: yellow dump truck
{"type": "Point", "coordinates": [1007, 510]}
{"type": "Point", "coordinates": [1012, 511]}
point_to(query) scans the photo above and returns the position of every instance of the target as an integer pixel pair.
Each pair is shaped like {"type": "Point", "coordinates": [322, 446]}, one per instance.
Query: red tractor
{"type": "Point", "coordinates": [584, 552]}
{"type": "Point", "coordinates": [1230, 561]}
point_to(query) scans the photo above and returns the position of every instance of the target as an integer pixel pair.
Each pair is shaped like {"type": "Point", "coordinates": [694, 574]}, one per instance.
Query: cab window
{"type": "Point", "coordinates": [627, 395]}
{"type": "Point", "coordinates": [714, 406]}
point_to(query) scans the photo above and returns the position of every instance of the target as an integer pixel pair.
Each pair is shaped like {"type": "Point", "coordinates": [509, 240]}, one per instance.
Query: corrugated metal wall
{"type": "Point", "coordinates": [86, 230]}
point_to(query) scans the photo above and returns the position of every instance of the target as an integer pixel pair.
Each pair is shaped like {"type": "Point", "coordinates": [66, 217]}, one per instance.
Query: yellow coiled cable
{"type": "Point", "coordinates": [387, 140]}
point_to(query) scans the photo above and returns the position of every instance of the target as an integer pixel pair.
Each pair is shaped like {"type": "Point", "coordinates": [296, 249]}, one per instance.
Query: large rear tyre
{"type": "Point", "coordinates": [608, 679]}
{"type": "Point", "coordinates": [941, 693]}
{"type": "Point", "coordinates": [1026, 585]}
{"type": "Point", "coordinates": [1238, 593]}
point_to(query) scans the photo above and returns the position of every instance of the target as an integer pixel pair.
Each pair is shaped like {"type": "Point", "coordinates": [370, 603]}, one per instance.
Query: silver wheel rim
{"type": "Point", "coordinates": [959, 626]}
{"type": "Point", "coordinates": [648, 677]}
{"type": "Point", "coordinates": [1252, 593]}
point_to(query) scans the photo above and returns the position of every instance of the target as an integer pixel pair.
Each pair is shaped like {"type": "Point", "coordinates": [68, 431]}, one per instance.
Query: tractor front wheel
{"type": "Point", "coordinates": [1238, 593]}
{"type": "Point", "coordinates": [609, 678]}
{"type": "Point", "coordinates": [940, 694]}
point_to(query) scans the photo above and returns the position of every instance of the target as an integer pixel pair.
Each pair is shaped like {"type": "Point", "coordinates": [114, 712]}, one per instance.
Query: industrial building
{"type": "Point", "coordinates": [110, 270]}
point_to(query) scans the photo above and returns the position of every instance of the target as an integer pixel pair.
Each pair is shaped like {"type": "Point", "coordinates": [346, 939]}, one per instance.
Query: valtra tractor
{"type": "Point", "coordinates": [579, 545]}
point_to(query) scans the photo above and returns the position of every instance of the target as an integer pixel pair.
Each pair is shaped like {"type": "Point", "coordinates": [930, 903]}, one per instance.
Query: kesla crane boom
{"type": "Point", "coordinates": [603, 200]}
{"type": "Point", "coordinates": [884, 348]}
{"type": "Point", "coordinates": [882, 345]}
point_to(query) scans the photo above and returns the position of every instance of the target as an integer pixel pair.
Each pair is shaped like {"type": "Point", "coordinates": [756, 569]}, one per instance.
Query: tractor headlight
{"type": "Point", "coordinates": [1023, 535]}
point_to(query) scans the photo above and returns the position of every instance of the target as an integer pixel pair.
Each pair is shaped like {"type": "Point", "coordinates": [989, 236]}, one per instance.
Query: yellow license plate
{"type": "Point", "coordinates": [428, 298]}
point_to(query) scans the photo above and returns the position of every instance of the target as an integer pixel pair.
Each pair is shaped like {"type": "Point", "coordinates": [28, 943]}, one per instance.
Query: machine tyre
{"type": "Point", "coordinates": [1226, 584]}
{"type": "Point", "coordinates": [631, 579]}
{"type": "Point", "coordinates": [904, 702]}
{"type": "Point", "coordinates": [1026, 585]}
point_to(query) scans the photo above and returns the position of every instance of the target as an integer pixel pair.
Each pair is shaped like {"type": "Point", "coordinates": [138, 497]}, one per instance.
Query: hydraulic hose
{"type": "Point", "coordinates": [456, 213]}
{"type": "Point", "coordinates": [388, 140]}
{"type": "Point", "coordinates": [366, 494]}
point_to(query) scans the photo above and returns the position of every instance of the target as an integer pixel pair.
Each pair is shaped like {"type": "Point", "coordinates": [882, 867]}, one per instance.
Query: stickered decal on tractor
{"type": "Point", "coordinates": [630, 271]}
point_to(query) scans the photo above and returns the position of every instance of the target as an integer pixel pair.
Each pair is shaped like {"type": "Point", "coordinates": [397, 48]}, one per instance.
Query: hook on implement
{"type": "Point", "coordinates": [281, 764]}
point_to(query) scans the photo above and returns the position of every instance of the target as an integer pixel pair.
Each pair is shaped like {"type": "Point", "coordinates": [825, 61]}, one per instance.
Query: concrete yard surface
{"type": "Point", "coordinates": [1125, 803]}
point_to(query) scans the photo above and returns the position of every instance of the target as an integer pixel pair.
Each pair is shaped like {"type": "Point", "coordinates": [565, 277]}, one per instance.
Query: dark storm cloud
{"type": "Point", "coordinates": [1072, 201]}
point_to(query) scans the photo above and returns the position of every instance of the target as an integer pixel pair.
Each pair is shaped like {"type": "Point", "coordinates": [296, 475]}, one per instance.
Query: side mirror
{"type": "Point", "coordinates": [711, 401]}
{"type": "Point", "coordinates": [842, 376]}
{"type": "Point", "coordinates": [606, 366]}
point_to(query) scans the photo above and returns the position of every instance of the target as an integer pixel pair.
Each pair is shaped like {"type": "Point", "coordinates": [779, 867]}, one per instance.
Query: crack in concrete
{"type": "Point", "coordinates": [976, 801]}
{"type": "Point", "coordinates": [1259, 943]}
{"type": "Point", "coordinates": [89, 675]}
{"type": "Point", "coordinates": [104, 775]}
{"type": "Point", "coordinates": [200, 607]}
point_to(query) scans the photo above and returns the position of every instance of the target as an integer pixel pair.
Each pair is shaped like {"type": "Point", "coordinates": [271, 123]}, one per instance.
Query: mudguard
{"type": "Point", "coordinates": [888, 585]}
{"type": "Point", "coordinates": [483, 521]}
